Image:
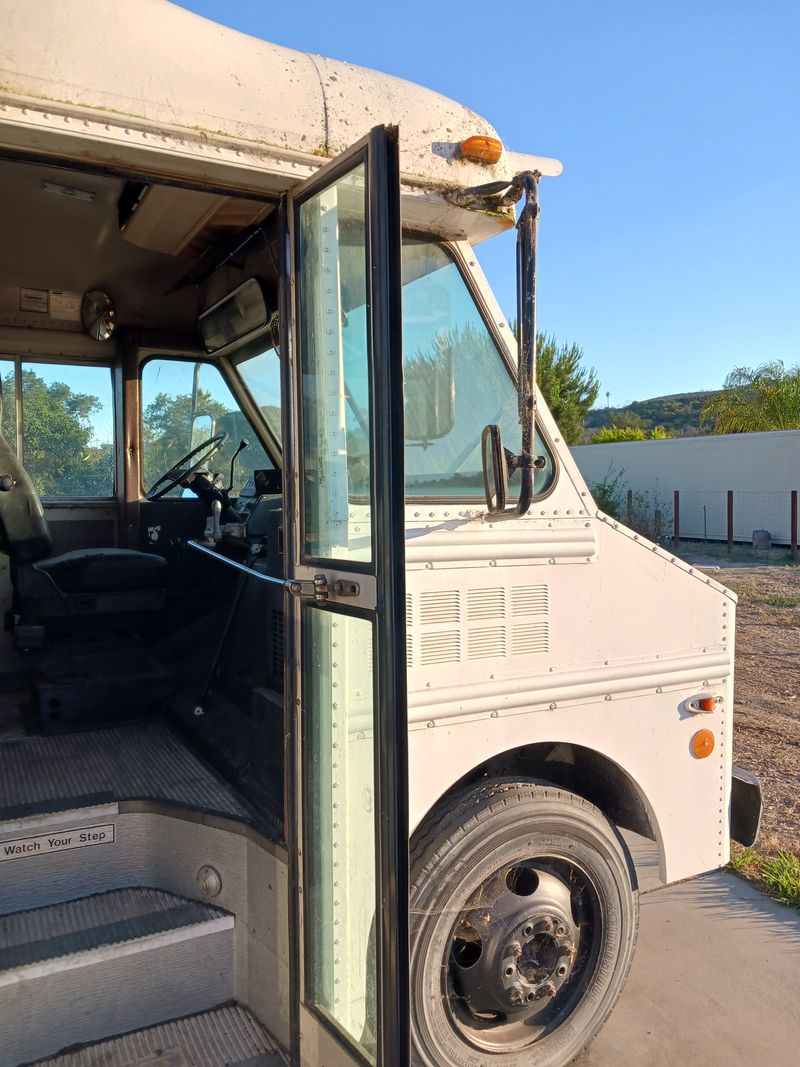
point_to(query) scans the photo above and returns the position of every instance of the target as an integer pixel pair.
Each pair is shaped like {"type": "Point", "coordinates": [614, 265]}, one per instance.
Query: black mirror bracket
{"type": "Point", "coordinates": [497, 461]}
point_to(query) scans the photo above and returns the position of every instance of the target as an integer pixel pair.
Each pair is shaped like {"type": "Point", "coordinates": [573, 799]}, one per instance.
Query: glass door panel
{"type": "Point", "coordinates": [334, 353]}
{"type": "Point", "coordinates": [340, 820]}
{"type": "Point", "coordinates": [344, 439]}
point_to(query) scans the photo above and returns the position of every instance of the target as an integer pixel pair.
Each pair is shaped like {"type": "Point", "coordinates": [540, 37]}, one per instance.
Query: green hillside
{"type": "Point", "coordinates": [679, 413]}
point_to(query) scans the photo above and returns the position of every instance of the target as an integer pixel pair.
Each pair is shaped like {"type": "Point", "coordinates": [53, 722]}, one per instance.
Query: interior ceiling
{"type": "Point", "coordinates": [52, 241]}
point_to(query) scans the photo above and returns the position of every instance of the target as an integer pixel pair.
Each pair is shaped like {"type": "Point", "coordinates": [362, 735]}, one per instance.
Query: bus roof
{"type": "Point", "coordinates": [161, 67]}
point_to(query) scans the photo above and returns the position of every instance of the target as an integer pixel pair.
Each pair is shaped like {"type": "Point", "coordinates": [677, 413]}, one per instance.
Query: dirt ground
{"type": "Point", "coordinates": [766, 733]}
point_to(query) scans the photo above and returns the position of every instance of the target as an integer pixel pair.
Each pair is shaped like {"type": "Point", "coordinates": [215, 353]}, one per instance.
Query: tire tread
{"type": "Point", "coordinates": [452, 821]}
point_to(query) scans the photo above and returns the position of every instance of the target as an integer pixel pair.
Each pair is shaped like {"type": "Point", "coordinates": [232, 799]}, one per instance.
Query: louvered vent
{"type": "Point", "coordinates": [409, 649]}
{"type": "Point", "coordinates": [486, 604]}
{"type": "Point", "coordinates": [487, 641]}
{"type": "Point", "coordinates": [530, 600]}
{"type": "Point", "coordinates": [440, 648]}
{"type": "Point", "coordinates": [530, 637]}
{"type": "Point", "coordinates": [440, 606]}
{"type": "Point", "coordinates": [409, 610]}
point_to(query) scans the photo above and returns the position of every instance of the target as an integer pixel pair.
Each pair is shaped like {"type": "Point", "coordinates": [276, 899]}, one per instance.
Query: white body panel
{"type": "Point", "coordinates": [567, 627]}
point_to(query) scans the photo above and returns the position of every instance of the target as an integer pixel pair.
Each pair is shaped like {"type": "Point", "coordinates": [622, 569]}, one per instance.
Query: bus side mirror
{"type": "Point", "coordinates": [203, 427]}
{"type": "Point", "coordinates": [495, 469]}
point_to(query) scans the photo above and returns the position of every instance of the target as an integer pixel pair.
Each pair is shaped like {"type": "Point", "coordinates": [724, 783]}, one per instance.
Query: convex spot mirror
{"type": "Point", "coordinates": [429, 391]}
{"type": "Point", "coordinates": [98, 315]}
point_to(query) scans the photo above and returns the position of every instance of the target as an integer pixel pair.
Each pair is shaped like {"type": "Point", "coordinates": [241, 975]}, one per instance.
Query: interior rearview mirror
{"type": "Point", "coordinates": [495, 469]}
{"type": "Point", "coordinates": [429, 391]}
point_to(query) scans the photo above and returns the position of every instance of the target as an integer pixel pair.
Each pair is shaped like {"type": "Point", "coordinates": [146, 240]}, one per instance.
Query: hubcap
{"type": "Point", "coordinates": [516, 946]}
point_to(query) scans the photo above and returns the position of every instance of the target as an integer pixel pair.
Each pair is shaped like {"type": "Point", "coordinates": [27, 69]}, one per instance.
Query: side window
{"type": "Point", "coordinates": [67, 426]}
{"type": "Point", "coordinates": [183, 404]}
{"type": "Point", "coordinates": [261, 374]}
{"type": "Point", "coordinates": [456, 381]}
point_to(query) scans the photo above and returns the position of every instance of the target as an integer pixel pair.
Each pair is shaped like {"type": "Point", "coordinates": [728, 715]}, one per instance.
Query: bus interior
{"type": "Point", "coordinates": [111, 616]}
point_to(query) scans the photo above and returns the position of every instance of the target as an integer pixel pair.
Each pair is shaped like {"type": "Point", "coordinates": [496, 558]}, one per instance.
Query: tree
{"type": "Point", "coordinates": [754, 399]}
{"type": "Point", "coordinates": [624, 420]}
{"type": "Point", "coordinates": [60, 455]}
{"type": "Point", "coordinates": [167, 429]}
{"type": "Point", "coordinates": [568, 387]}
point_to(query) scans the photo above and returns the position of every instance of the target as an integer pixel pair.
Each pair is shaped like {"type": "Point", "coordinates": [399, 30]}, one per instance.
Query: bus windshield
{"type": "Point", "coordinates": [456, 380]}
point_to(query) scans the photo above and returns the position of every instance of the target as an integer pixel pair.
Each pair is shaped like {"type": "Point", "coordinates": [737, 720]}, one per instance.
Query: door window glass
{"type": "Point", "coordinates": [261, 374]}
{"type": "Point", "coordinates": [67, 427]}
{"type": "Point", "coordinates": [340, 820]}
{"type": "Point", "coordinates": [183, 404]}
{"type": "Point", "coordinates": [334, 357]}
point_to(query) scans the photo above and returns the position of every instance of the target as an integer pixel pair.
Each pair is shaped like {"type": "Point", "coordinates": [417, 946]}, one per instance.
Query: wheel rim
{"type": "Point", "coordinates": [521, 952]}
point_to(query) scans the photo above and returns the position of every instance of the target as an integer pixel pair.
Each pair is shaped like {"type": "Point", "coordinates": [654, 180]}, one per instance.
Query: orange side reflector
{"type": "Point", "coordinates": [482, 149]}
{"type": "Point", "coordinates": [702, 744]}
{"type": "Point", "coordinates": [706, 703]}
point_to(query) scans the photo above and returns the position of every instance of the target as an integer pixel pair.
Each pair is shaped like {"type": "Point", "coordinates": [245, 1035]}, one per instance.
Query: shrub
{"type": "Point", "coordinates": [613, 434]}
{"type": "Point", "coordinates": [644, 514]}
{"type": "Point", "coordinates": [608, 493]}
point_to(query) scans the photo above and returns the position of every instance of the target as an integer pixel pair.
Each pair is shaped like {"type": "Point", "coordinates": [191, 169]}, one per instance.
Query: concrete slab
{"type": "Point", "coordinates": [715, 980]}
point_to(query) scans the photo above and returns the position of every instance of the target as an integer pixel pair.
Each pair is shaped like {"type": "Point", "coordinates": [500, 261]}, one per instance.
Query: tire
{"type": "Point", "coordinates": [523, 927]}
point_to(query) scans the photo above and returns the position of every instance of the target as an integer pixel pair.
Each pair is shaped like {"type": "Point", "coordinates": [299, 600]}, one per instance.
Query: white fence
{"type": "Point", "coordinates": [761, 469]}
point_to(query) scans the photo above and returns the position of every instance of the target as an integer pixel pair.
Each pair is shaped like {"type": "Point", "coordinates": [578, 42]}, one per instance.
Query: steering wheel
{"type": "Point", "coordinates": [185, 468]}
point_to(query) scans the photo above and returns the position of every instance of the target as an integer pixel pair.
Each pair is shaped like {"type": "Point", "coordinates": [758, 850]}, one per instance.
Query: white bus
{"type": "Point", "coordinates": [326, 689]}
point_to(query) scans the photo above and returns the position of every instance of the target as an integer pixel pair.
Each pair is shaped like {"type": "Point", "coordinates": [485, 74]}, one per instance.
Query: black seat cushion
{"type": "Point", "coordinates": [102, 570]}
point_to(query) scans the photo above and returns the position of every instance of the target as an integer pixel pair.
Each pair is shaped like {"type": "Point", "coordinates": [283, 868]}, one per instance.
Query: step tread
{"type": "Point", "coordinates": [146, 761]}
{"type": "Point", "coordinates": [113, 918]}
{"type": "Point", "coordinates": [223, 1037]}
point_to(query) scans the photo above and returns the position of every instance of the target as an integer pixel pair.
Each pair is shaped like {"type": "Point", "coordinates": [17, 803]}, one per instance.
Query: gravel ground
{"type": "Point", "coordinates": [766, 732]}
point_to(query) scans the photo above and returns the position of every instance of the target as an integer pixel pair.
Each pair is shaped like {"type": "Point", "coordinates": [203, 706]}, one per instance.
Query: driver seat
{"type": "Point", "coordinates": [107, 586]}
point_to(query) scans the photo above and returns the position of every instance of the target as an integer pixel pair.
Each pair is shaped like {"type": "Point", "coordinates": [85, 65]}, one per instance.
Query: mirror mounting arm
{"type": "Point", "coordinates": [497, 461]}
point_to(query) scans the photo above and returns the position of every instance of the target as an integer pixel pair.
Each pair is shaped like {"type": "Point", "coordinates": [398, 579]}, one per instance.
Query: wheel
{"type": "Point", "coordinates": [523, 928]}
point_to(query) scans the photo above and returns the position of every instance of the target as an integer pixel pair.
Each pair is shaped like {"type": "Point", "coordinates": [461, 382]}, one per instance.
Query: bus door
{"type": "Point", "coordinates": [343, 435]}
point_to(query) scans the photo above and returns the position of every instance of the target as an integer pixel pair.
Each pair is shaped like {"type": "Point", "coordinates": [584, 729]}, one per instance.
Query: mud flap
{"type": "Point", "coordinates": [746, 806]}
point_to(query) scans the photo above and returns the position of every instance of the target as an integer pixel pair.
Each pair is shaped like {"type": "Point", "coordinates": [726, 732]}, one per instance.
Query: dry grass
{"type": "Point", "coordinates": [766, 732]}
{"type": "Point", "coordinates": [766, 736]}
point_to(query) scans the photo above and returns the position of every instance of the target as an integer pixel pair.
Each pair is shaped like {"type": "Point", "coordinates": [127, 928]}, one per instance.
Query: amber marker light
{"type": "Point", "coordinates": [706, 703]}
{"type": "Point", "coordinates": [482, 149]}
{"type": "Point", "coordinates": [702, 744]}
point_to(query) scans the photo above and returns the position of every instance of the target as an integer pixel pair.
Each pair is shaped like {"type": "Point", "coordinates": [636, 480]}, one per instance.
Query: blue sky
{"type": "Point", "coordinates": [669, 247]}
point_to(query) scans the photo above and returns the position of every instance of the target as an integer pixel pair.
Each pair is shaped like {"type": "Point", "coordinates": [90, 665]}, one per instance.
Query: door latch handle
{"type": "Point", "coordinates": [318, 588]}
{"type": "Point", "coordinates": [309, 590]}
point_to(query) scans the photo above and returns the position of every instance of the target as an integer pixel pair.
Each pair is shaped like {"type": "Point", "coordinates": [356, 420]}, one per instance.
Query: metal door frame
{"type": "Point", "coordinates": [379, 151]}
